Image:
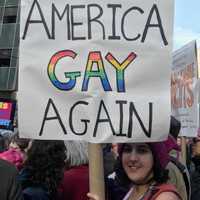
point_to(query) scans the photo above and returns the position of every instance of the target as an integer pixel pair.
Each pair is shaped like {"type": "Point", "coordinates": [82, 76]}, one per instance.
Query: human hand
{"type": "Point", "coordinates": [92, 196]}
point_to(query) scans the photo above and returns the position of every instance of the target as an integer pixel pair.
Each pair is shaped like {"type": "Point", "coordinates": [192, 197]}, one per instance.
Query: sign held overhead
{"type": "Point", "coordinates": [97, 70]}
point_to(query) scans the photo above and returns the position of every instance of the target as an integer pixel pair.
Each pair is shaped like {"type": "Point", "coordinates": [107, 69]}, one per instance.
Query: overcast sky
{"type": "Point", "coordinates": [187, 22]}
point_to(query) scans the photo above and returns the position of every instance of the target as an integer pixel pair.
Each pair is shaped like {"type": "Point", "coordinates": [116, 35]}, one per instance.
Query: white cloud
{"type": "Point", "coordinates": [183, 36]}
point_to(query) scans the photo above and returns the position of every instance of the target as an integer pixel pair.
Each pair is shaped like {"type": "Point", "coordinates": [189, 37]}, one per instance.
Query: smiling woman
{"type": "Point", "coordinates": [142, 168]}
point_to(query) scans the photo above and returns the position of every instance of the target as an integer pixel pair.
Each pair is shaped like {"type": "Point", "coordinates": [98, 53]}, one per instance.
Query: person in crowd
{"type": "Point", "coordinates": [171, 143]}
{"type": "Point", "coordinates": [9, 186]}
{"type": "Point", "coordinates": [43, 170]}
{"type": "Point", "coordinates": [5, 139]}
{"type": "Point", "coordinates": [178, 172]}
{"type": "Point", "coordinates": [142, 168]}
{"type": "Point", "coordinates": [16, 152]}
{"type": "Point", "coordinates": [195, 175]}
{"type": "Point", "coordinates": [75, 184]}
{"type": "Point", "coordinates": [109, 159]}
{"type": "Point", "coordinates": [2, 144]}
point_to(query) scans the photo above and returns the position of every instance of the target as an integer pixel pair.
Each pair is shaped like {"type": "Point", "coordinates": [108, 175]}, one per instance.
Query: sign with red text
{"type": "Point", "coordinates": [184, 89]}
{"type": "Point", "coordinates": [95, 70]}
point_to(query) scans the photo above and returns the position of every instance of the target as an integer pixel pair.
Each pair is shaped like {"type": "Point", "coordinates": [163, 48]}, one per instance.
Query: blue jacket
{"type": "Point", "coordinates": [35, 193]}
{"type": "Point", "coordinates": [32, 191]}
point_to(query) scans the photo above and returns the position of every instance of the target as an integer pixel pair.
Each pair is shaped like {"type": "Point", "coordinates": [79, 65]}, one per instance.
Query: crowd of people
{"type": "Point", "coordinates": [59, 170]}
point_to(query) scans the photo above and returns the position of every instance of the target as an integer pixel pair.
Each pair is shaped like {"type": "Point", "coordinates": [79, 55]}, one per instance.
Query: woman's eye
{"type": "Point", "coordinates": [127, 149]}
{"type": "Point", "coordinates": [142, 150]}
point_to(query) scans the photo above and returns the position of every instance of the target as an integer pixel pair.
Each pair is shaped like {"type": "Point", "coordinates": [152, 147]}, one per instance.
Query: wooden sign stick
{"type": "Point", "coordinates": [96, 170]}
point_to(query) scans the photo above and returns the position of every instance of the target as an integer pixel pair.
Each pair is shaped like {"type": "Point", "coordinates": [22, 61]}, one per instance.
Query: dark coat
{"type": "Point", "coordinates": [9, 187]}
{"type": "Point", "coordinates": [114, 190]}
{"type": "Point", "coordinates": [195, 179]}
{"type": "Point", "coordinates": [32, 191]}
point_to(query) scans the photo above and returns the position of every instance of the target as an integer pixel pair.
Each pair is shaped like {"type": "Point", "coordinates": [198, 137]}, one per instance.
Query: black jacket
{"type": "Point", "coordinates": [195, 179]}
{"type": "Point", "coordinates": [9, 187]}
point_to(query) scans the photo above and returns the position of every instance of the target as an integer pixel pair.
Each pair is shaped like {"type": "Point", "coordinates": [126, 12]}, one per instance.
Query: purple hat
{"type": "Point", "coordinates": [171, 144]}
{"type": "Point", "coordinates": [160, 153]}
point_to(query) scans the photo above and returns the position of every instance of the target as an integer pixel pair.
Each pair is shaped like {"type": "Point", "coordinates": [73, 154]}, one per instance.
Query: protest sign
{"type": "Point", "coordinates": [198, 86]}
{"type": "Point", "coordinates": [184, 92]}
{"type": "Point", "coordinates": [7, 113]}
{"type": "Point", "coordinates": [95, 70]}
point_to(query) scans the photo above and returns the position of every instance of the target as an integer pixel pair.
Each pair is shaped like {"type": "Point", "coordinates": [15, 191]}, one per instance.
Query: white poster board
{"type": "Point", "coordinates": [95, 70]}
{"type": "Point", "coordinates": [184, 89]}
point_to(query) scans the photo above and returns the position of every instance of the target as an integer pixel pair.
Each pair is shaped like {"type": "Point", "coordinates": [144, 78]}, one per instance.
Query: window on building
{"type": "Point", "coordinates": [5, 57]}
{"type": "Point", "coordinates": [10, 15]}
{"type": "Point", "coordinates": [1, 14]}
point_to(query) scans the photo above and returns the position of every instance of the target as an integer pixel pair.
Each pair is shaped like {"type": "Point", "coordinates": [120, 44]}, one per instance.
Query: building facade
{"type": "Point", "coordinates": [9, 45]}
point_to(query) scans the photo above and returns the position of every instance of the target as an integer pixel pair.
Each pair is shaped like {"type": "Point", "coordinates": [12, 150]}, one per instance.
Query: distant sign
{"type": "Point", "coordinates": [184, 89]}
{"type": "Point", "coordinates": [7, 111]}
{"type": "Point", "coordinates": [95, 70]}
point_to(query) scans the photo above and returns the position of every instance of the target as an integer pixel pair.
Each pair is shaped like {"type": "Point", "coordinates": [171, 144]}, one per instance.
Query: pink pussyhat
{"type": "Point", "coordinates": [160, 153]}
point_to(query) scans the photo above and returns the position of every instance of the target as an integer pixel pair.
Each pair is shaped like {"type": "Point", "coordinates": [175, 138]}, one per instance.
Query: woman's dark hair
{"type": "Point", "coordinates": [45, 164]}
{"type": "Point", "coordinates": [160, 173]}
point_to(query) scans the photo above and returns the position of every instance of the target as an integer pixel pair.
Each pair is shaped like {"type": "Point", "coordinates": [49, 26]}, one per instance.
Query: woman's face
{"type": "Point", "coordinates": [137, 161]}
